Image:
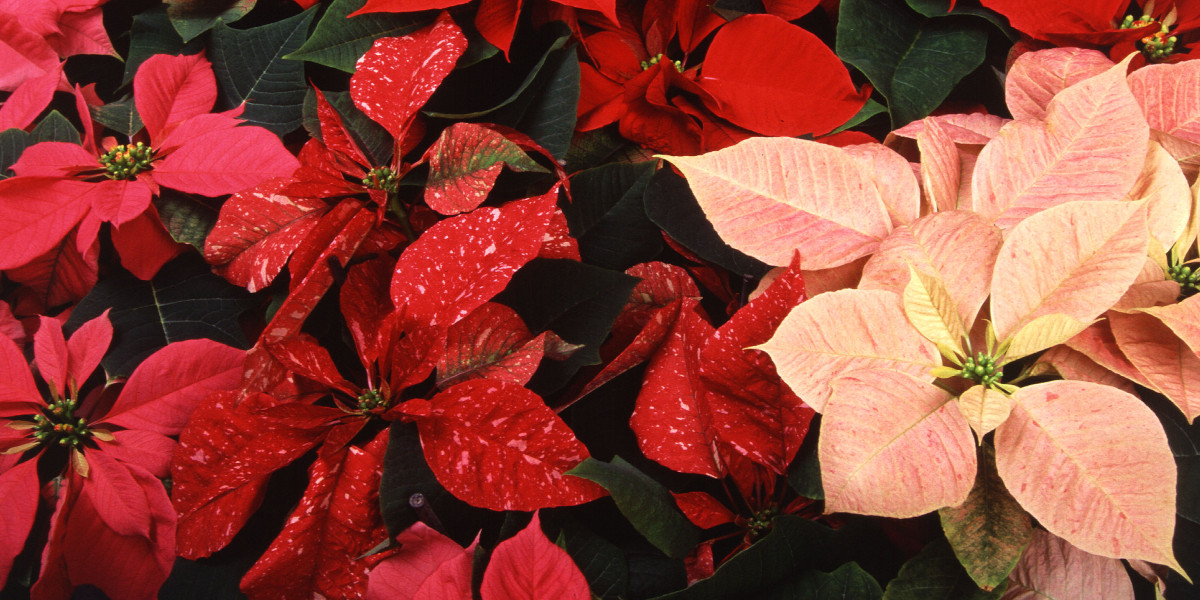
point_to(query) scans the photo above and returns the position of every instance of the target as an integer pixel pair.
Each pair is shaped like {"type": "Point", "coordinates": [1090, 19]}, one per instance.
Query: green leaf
{"type": "Point", "coordinates": [647, 505]}
{"type": "Point", "coordinates": [406, 474]}
{"type": "Point", "coordinates": [150, 34]}
{"type": "Point", "coordinates": [848, 581]}
{"type": "Point", "coordinates": [914, 62]}
{"type": "Point", "coordinates": [989, 531]}
{"type": "Point", "coordinates": [935, 574]}
{"type": "Point", "coordinates": [577, 301]}
{"type": "Point", "coordinates": [13, 143]}
{"type": "Point", "coordinates": [672, 206]}
{"type": "Point", "coordinates": [187, 220]}
{"type": "Point", "coordinates": [121, 116]}
{"type": "Point", "coordinates": [54, 127]}
{"type": "Point", "coordinates": [602, 563]}
{"type": "Point", "coordinates": [938, 8]}
{"type": "Point", "coordinates": [370, 136]}
{"type": "Point", "coordinates": [608, 218]}
{"type": "Point", "coordinates": [338, 42]}
{"type": "Point", "coordinates": [549, 114]}
{"type": "Point", "coordinates": [191, 18]}
{"type": "Point", "coordinates": [870, 109]}
{"type": "Point", "coordinates": [804, 474]}
{"type": "Point", "coordinates": [250, 68]}
{"type": "Point", "coordinates": [771, 566]}
{"type": "Point", "coordinates": [459, 96]}
{"type": "Point", "coordinates": [184, 301]}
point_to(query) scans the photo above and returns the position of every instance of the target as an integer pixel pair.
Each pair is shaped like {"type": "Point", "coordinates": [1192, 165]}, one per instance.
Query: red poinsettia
{"type": "Point", "coordinates": [35, 36]}
{"type": "Point", "coordinates": [496, 20]}
{"type": "Point", "coordinates": [634, 79]}
{"type": "Point", "coordinates": [63, 187]}
{"type": "Point", "coordinates": [113, 525]}
{"type": "Point", "coordinates": [1162, 30]}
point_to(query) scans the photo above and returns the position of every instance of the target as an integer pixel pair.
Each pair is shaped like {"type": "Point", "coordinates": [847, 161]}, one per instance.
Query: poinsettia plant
{"type": "Point", "coordinates": [391, 298]}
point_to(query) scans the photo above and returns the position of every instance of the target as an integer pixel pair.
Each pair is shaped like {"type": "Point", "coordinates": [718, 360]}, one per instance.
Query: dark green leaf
{"type": "Point", "coordinates": [870, 109]}
{"type": "Point", "coordinates": [597, 147]}
{"type": "Point", "coordinates": [672, 206]}
{"type": "Point", "coordinates": [549, 114]}
{"type": "Point", "coordinates": [647, 505]}
{"type": "Point", "coordinates": [938, 8]}
{"type": "Point", "coordinates": [13, 142]}
{"type": "Point", "coordinates": [187, 220]}
{"type": "Point", "coordinates": [804, 474]}
{"type": "Point", "coordinates": [608, 218]}
{"type": "Point", "coordinates": [458, 97]}
{"type": "Point", "coordinates": [990, 530]}
{"type": "Point", "coordinates": [793, 545]}
{"type": "Point", "coordinates": [935, 574]}
{"type": "Point", "coordinates": [406, 474]}
{"type": "Point", "coordinates": [338, 42]}
{"type": "Point", "coordinates": [370, 136]}
{"type": "Point", "coordinates": [601, 562]}
{"type": "Point", "coordinates": [121, 116]}
{"type": "Point", "coordinates": [914, 62]}
{"type": "Point", "coordinates": [152, 34]}
{"type": "Point", "coordinates": [54, 127]}
{"type": "Point", "coordinates": [1184, 439]}
{"type": "Point", "coordinates": [250, 68]}
{"type": "Point", "coordinates": [191, 18]}
{"type": "Point", "coordinates": [184, 301]}
{"type": "Point", "coordinates": [846, 582]}
{"type": "Point", "coordinates": [577, 301]}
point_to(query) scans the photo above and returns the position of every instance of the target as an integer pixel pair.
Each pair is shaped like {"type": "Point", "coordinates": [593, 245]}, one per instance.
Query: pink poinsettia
{"type": "Point", "coordinates": [61, 187]}
{"type": "Point", "coordinates": [113, 525]}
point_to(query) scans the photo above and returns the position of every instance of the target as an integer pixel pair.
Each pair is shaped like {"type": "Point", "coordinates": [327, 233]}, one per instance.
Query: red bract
{"type": "Point", "coordinates": [634, 81]}
{"type": "Point", "coordinates": [705, 397]}
{"type": "Point", "coordinates": [62, 186]}
{"type": "Point", "coordinates": [34, 36]}
{"type": "Point", "coordinates": [113, 526]}
{"type": "Point", "coordinates": [1160, 30]}
{"type": "Point", "coordinates": [496, 20]}
{"type": "Point", "coordinates": [431, 566]}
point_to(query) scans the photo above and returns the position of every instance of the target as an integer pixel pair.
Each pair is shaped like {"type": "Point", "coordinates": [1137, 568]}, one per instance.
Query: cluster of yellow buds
{"type": "Point", "coordinates": [646, 64]}
{"type": "Point", "coordinates": [382, 178]}
{"type": "Point", "coordinates": [1157, 45]}
{"type": "Point", "coordinates": [59, 425]}
{"type": "Point", "coordinates": [127, 160]}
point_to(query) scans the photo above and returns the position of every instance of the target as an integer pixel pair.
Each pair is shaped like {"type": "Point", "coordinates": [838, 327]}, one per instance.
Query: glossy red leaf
{"type": "Point", "coordinates": [123, 566]}
{"type": "Point", "coordinates": [337, 521]}
{"type": "Point", "coordinates": [647, 318]}
{"type": "Point", "coordinates": [225, 455]}
{"type": "Point", "coordinates": [335, 238]}
{"type": "Point", "coordinates": [168, 90]}
{"type": "Point", "coordinates": [670, 418]}
{"type": "Point", "coordinates": [116, 496]}
{"type": "Point", "coordinates": [750, 409]}
{"type": "Point", "coordinates": [50, 354]}
{"type": "Point", "coordinates": [333, 131]}
{"type": "Point", "coordinates": [428, 566]}
{"type": "Point", "coordinates": [26, 102]}
{"type": "Point", "coordinates": [491, 343]}
{"type": "Point", "coordinates": [256, 232]}
{"type": "Point", "coordinates": [703, 510]}
{"type": "Point", "coordinates": [87, 346]}
{"type": "Point", "coordinates": [460, 263]}
{"type": "Point", "coordinates": [20, 393]}
{"type": "Point", "coordinates": [60, 276]}
{"type": "Point", "coordinates": [528, 566]}
{"type": "Point", "coordinates": [365, 304]}
{"type": "Point", "coordinates": [225, 162]}
{"type": "Point", "coordinates": [497, 445]}
{"type": "Point", "coordinates": [765, 92]}
{"type": "Point", "coordinates": [165, 388]}
{"type": "Point", "coordinates": [397, 75]}
{"type": "Point", "coordinates": [38, 213]}
{"type": "Point", "coordinates": [18, 502]}
{"type": "Point", "coordinates": [464, 163]}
